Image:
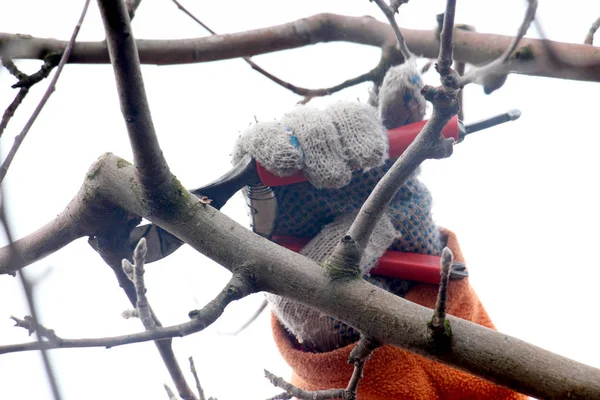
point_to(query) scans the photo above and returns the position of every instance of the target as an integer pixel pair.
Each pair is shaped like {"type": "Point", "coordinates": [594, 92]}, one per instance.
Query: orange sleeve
{"type": "Point", "coordinates": [393, 373]}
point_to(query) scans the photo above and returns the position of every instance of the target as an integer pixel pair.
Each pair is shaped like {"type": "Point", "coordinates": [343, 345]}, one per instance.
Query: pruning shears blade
{"type": "Point", "coordinates": [161, 243]}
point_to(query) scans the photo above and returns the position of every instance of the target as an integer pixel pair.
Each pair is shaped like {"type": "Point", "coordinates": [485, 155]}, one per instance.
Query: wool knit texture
{"type": "Point", "coordinates": [394, 373]}
{"type": "Point", "coordinates": [327, 145]}
{"type": "Point", "coordinates": [342, 150]}
{"type": "Point", "coordinates": [399, 98]}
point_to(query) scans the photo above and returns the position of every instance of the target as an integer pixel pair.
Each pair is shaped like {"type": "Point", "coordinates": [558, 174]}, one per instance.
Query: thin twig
{"type": "Point", "coordinates": [170, 393]}
{"type": "Point", "coordinates": [307, 93]}
{"type": "Point", "coordinates": [499, 65]}
{"type": "Point", "coordinates": [196, 379]}
{"type": "Point", "coordinates": [10, 110]}
{"type": "Point", "coordinates": [152, 169]}
{"type": "Point", "coordinates": [136, 274]}
{"type": "Point", "coordinates": [13, 69]}
{"type": "Point", "coordinates": [50, 61]}
{"type": "Point", "coordinates": [32, 322]}
{"type": "Point", "coordinates": [445, 58]}
{"type": "Point", "coordinates": [32, 326]}
{"type": "Point", "coordinates": [390, 13]}
{"type": "Point", "coordinates": [460, 70]}
{"type": "Point", "coordinates": [439, 313]}
{"type": "Point", "coordinates": [237, 288]}
{"type": "Point", "coordinates": [24, 83]}
{"type": "Point", "coordinates": [304, 394]}
{"type": "Point", "coordinates": [132, 6]}
{"type": "Point", "coordinates": [253, 318]}
{"type": "Point", "coordinates": [113, 247]}
{"type": "Point", "coordinates": [281, 396]}
{"type": "Point", "coordinates": [428, 144]}
{"type": "Point", "coordinates": [589, 39]}
{"type": "Point", "coordinates": [51, 88]}
{"type": "Point", "coordinates": [359, 356]}
{"type": "Point", "coordinates": [27, 288]}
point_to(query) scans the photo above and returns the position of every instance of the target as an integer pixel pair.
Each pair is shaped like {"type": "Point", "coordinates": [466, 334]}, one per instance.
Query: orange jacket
{"type": "Point", "coordinates": [393, 373]}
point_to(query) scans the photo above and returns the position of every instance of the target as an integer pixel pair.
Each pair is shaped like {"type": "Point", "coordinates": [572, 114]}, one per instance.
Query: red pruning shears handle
{"type": "Point", "coordinates": [399, 139]}
{"type": "Point", "coordinates": [416, 267]}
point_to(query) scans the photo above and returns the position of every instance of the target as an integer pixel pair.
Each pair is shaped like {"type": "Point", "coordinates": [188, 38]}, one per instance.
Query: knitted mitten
{"type": "Point", "coordinates": [342, 151]}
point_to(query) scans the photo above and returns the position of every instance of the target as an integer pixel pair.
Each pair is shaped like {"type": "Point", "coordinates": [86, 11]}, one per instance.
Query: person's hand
{"type": "Point", "coordinates": [327, 145]}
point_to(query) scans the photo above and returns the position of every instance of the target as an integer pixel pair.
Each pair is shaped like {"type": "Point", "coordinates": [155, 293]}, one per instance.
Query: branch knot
{"type": "Point", "coordinates": [344, 263]}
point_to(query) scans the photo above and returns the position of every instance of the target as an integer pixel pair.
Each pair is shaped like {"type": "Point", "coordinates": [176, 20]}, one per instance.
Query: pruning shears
{"type": "Point", "coordinates": [256, 181]}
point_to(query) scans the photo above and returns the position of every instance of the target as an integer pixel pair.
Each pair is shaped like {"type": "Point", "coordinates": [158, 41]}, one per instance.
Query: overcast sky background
{"type": "Point", "coordinates": [523, 198]}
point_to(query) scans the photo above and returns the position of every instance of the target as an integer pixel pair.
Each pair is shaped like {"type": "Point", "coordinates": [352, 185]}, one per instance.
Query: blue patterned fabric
{"type": "Point", "coordinates": [304, 209]}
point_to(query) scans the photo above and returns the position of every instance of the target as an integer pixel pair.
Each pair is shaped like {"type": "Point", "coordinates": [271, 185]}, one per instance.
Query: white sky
{"type": "Point", "coordinates": [522, 197]}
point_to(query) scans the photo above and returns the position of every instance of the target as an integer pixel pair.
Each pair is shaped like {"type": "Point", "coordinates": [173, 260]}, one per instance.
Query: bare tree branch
{"type": "Point", "coordinates": [12, 108]}
{"type": "Point", "coordinates": [429, 144]}
{"type": "Point", "coordinates": [170, 393]}
{"type": "Point", "coordinates": [358, 357]}
{"type": "Point", "coordinates": [136, 273]}
{"type": "Point", "coordinates": [471, 47]}
{"type": "Point", "coordinates": [483, 352]}
{"type": "Point", "coordinates": [460, 70]}
{"type": "Point", "coordinates": [374, 75]}
{"type": "Point", "coordinates": [196, 379]}
{"type": "Point", "coordinates": [500, 65]}
{"type": "Point", "coordinates": [33, 326]}
{"type": "Point", "coordinates": [439, 313]}
{"type": "Point", "coordinates": [151, 165]}
{"type": "Point", "coordinates": [281, 396]}
{"type": "Point", "coordinates": [51, 88]}
{"type": "Point", "coordinates": [238, 287]}
{"type": "Point", "coordinates": [31, 323]}
{"type": "Point", "coordinates": [390, 14]}
{"type": "Point", "coordinates": [304, 394]}
{"type": "Point", "coordinates": [13, 69]}
{"type": "Point", "coordinates": [446, 56]}
{"type": "Point", "coordinates": [113, 246]}
{"type": "Point", "coordinates": [589, 39]}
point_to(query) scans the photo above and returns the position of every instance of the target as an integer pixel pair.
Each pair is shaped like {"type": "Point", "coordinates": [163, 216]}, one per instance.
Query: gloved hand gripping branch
{"type": "Point", "coordinates": [343, 152]}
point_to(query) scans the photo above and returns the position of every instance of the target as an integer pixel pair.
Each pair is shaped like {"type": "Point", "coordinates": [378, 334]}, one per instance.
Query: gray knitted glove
{"type": "Point", "coordinates": [399, 98]}
{"type": "Point", "coordinates": [324, 208]}
{"type": "Point", "coordinates": [313, 330]}
{"type": "Point", "coordinates": [327, 145]}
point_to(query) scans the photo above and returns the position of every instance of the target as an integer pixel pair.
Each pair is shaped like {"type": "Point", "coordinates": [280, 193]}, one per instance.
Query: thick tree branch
{"type": "Point", "coordinates": [390, 319]}
{"type": "Point", "coordinates": [151, 165]}
{"type": "Point", "coordinates": [471, 47]}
